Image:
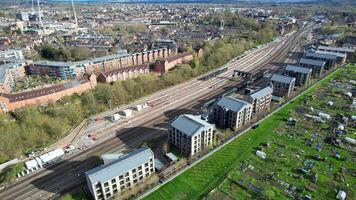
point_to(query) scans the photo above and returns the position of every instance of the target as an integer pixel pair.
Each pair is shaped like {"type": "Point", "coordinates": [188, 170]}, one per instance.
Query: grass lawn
{"type": "Point", "coordinates": [198, 181]}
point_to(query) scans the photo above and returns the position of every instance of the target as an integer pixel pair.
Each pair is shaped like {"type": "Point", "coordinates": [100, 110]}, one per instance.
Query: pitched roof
{"type": "Point", "coordinates": [232, 103]}
{"type": "Point", "coordinates": [120, 166]}
{"type": "Point", "coordinates": [282, 78]}
{"type": "Point", "coordinates": [295, 68]}
{"type": "Point", "coordinates": [262, 92]}
{"type": "Point", "coordinates": [313, 62]}
{"type": "Point", "coordinates": [190, 124]}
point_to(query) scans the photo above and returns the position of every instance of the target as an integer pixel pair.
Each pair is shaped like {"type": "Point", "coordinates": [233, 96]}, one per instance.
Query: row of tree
{"type": "Point", "coordinates": [50, 52]}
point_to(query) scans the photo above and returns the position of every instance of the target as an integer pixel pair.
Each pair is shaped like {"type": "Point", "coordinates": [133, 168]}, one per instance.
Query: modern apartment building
{"type": "Point", "coordinates": [330, 59]}
{"type": "Point", "coordinates": [348, 51]}
{"type": "Point", "coordinates": [282, 85]}
{"type": "Point", "coordinates": [340, 57]}
{"type": "Point", "coordinates": [302, 75]}
{"type": "Point", "coordinates": [62, 70]}
{"type": "Point", "coordinates": [260, 99]}
{"type": "Point", "coordinates": [190, 134]}
{"type": "Point", "coordinates": [108, 180]}
{"type": "Point", "coordinates": [316, 65]}
{"type": "Point", "coordinates": [233, 113]}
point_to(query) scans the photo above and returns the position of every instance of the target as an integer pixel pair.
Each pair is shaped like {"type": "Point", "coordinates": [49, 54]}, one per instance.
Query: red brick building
{"type": "Point", "coordinates": [123, 73]}
{"type": "Point", "coordinates": [163, 65]}
{"type": "Point", "coordinates": [11, 102]}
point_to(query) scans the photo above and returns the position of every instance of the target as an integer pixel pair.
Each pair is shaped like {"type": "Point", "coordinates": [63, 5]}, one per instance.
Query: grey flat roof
{"type": "Point", "coordinates": [190, 124]}
{"type": "Point", "coordinates": [336, 54]}
{"type": "Point", "coordinates": [262, 92]}
{"type": "Point", "coordinates": [232, 103]}
{"type": "Point", "coordinates": [120, 166]}
{"type": "Point", "coordinates": [299, 69]}
{"type": "Point", "coordinates": [342, 49]}
{"type": "Point", "coordinates": [313, 62]}
{"type": "Point", "coordinates": [54, 63]}
{"type": "Point", "coordinates": [321, 55]}
{"type": "Point", "coordinates": [5, 67]}
{"type": "Point", "coordinates": [282, 78]}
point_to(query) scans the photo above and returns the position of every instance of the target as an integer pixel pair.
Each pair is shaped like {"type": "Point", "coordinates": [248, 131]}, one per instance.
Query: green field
{"type": "Point", "coordinates": [237, 162]}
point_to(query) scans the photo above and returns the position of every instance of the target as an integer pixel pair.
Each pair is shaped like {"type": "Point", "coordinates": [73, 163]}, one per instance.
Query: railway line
{"type": "Point", "coordinates": [63, 176]}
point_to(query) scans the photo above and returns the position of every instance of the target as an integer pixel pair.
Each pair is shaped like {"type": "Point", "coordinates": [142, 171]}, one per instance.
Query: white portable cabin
{"type": "Point", "coordinates": [52, 155]}
{"type": "Point", "coordinates": [138, 107]}
{"type": "Point", "coordinates": [261, 154]}
{"type": "Point", "coordinates": [31, 164]}
{"type": "Point", "coordinates": [115, 117]}
{"type": "Point", "coordinates": [127, 113]}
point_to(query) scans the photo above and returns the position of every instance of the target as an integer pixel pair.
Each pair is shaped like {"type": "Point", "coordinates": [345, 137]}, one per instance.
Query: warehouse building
{"type": "Point", "coordinates": [233, 113]}
{"type": "Point", "coordinates": [316, 65]}
{"type": "Point", "coordinates": [190, 134]}
{"type": "Point", "coordinates": [302, 75]}
{"type": "Point", "coordinates": [128, 170]}
{"type": "Point", "coordinates": [260, 99]}
{"type": "Point", "coordinates": [283, 86]}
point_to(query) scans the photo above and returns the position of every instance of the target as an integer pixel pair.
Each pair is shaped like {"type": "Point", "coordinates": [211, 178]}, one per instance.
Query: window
{"type": "Point", "coordinates": [141, 177]}
{"type": "Point", "coordinates": [108, 195]}
{"type": "Point", "coordinates": [134, 170]}
{"type": "Point", "coordinates": [135, 181]}
{"type": "Point", "coordinates": [113, 181]}
{"type": "Point", "coordinates": [146, 164]}
{"type": "Point", "coordinates": [134, 176]}
{"type": "Point", "coordinates": [115, 190]}
{"type": "Point", "coordinates": [127, 174]}
{"type": "Point", "coordinates": [121, 177]}
{"type": "Point", "coordinates": [122, 182]}
{"type": "Point", "coordinates": [140, 167]}
{"type": "Point", "coordinates": [140, 173]}
{"type": "Point", "coordinates": [128, 184]}
{"type": "Point", "coordinates": [107, 189]}
{"type": "Point", "coordinates": [127, 179]}
{"type": "Point", "coordinates": [147, 175]}
{"type": "Point", "coordinates": [122, 187]}
{"type": "Point", "coordinates": [106, 184]}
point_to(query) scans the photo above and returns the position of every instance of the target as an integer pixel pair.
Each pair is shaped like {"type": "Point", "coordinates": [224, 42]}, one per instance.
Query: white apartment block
{"type": "Point", "coordinates": [110, 179]}
{"type": "Point", "coordinates": [190, 134]}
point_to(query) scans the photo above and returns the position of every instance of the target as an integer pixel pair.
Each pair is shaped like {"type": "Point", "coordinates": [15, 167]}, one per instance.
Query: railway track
{"type": "Point", "coordinates": [64, 176]}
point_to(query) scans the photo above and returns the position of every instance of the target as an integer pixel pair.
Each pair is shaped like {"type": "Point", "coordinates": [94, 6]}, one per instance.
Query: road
{"type": "Point", "coordinates": [67, 174]}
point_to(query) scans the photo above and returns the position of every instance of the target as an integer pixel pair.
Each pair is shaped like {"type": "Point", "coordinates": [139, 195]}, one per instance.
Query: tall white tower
{"type": "Point", "coordinates": [75, 15]}
{"type": "Point", "coordinates": [39, 13]}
